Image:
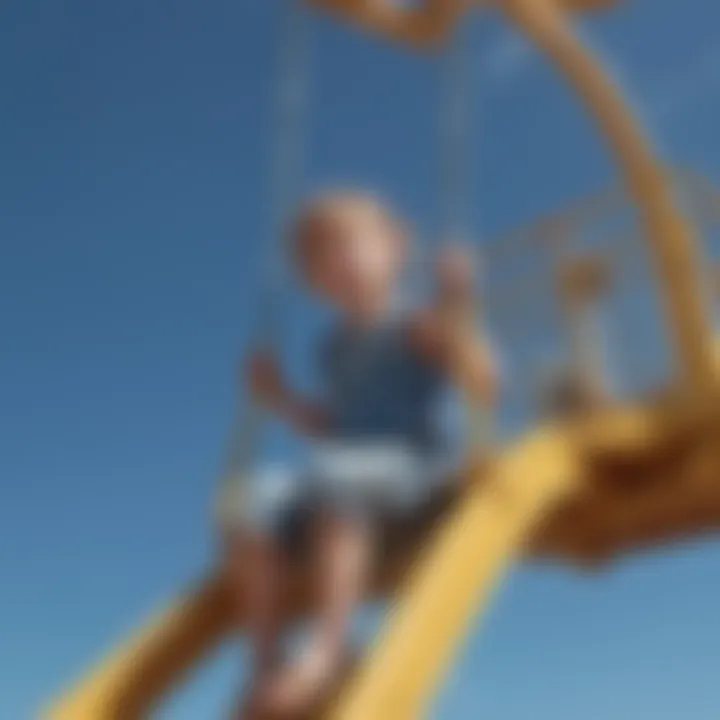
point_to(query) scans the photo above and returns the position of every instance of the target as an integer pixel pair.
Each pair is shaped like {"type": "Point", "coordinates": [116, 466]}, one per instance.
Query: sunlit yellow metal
{"type": "Point", "coordinates": [547, 496]}
{"type": "Point", "coordinates": [456, 578]}
{"type": "Point", "coordinates": [421, 24]}
{"type": "Point", "coordinates": [128, 683]}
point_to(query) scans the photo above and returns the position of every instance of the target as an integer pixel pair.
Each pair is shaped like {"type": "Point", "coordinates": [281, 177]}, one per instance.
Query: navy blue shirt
{"type": "Point", "coordinates": [380, 387]}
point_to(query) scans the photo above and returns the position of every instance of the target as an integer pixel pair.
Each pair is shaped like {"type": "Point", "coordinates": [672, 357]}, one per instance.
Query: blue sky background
{"type": "Point", "coordinates": [133, 148]}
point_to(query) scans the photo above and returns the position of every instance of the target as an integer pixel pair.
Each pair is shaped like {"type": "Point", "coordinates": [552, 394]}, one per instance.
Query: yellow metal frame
{"type": "Point", "coordinates": [423, 26]}
{"type": "Point", "coordinates": [456, 577]}
{"type": "Point", "coordinates": [128, 683]}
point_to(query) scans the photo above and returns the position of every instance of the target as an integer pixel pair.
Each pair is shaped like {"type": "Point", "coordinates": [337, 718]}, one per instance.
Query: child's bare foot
{"type": "Point", "coordinates": [304, 683]}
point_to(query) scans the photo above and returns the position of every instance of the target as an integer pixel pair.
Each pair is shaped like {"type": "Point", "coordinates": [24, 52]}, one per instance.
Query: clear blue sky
{"type": "Point", "coordinates": [133, 139]}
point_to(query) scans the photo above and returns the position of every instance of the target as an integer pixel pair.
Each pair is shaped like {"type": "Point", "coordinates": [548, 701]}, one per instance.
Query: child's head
{"type": "Point", "coordinates": [351, 249]}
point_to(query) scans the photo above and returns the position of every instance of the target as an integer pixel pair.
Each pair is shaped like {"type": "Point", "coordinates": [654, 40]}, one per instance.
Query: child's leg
{"type": "Point", "coordinates": [256, 566]}
{"type": "Point", "coordinates": [256, 555]}
{"type": "Point", "coordinates": [258, 571]}
{"type": "Point", "coordinates": [342, 552]}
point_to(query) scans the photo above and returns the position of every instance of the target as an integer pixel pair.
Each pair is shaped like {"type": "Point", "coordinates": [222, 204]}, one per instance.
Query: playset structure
{"type": "Point", "coordinates": [589, 482]}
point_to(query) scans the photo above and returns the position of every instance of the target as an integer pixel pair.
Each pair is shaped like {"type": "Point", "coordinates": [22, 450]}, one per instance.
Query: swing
{"type": "Point", "coordinates": [607, 483]}
{"type": "Point", "coordinates": [455, 201]}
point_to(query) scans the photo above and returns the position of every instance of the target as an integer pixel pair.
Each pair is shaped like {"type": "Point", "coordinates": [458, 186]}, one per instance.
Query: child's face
{"type": "Point", "coordinates": [357, 258]}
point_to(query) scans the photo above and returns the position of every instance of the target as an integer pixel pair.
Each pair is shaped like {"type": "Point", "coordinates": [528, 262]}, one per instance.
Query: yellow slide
{"type": "Point", "coordinates": [452, 581]}
{"type": "Point", "coordinates": [130, 681]}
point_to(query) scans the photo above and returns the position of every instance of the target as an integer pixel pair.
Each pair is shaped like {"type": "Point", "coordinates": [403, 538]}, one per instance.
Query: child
{"type": "Point", "coordinates": [378, 444]}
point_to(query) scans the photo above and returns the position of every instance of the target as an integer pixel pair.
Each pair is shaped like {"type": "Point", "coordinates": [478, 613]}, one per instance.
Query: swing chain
{"type": "Point", "coordinates": [285, 179]}
{"type": "Point", "coordinates": [456, 194]}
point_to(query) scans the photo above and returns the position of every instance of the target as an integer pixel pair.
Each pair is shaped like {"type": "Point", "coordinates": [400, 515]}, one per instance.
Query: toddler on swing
{"type": "Point", "coordinates": [375, 431]}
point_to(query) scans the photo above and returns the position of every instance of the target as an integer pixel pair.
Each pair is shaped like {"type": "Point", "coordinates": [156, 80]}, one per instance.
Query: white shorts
{"type": "Point", "coordinates": [348, 479]}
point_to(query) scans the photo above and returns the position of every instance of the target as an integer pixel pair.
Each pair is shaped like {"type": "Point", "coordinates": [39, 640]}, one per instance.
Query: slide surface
{"type": "Point", "coordinates": [454, 579]}
{"type": "Point", "coordinates": [127, 684]}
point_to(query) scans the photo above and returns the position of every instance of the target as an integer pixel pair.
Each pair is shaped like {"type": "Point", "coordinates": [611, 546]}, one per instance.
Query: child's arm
{"type": "Point", "coordinates": [269, 388]}
{"type": "Point", "coordinates": [448, 334]}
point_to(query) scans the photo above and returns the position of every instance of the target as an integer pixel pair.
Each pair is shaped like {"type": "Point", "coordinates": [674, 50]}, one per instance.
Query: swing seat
{"type": "Point", "coordinates": [423, 24]}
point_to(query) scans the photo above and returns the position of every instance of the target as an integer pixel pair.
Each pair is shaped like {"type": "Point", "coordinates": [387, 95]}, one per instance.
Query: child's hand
{"type": "Point", "coordinates": [265, 379]}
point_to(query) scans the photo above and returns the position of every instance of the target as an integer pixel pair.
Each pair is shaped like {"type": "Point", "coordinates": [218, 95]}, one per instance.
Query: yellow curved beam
{"type": "Point", "coordinates": [420, 27]}
{"type": "Point", "coordinates": [424, 25]}
{"type": "Point", "coordinates": [455, 579]}
{"type": "Point", "coordinates": [127, 684]}
{"type": "Point", "coordinates": [676, 255]}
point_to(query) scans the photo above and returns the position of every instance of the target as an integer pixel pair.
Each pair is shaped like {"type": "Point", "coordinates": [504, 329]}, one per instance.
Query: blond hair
{"type": "Point", "coordinates": [339, 205]}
